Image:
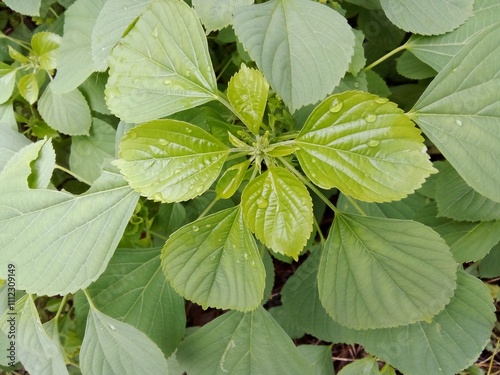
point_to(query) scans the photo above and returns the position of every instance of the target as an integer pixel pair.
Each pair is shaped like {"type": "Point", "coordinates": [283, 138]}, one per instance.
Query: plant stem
{"type": "Point", "coordinates": [79, 178]}
{"type": "Point", "coordinates": [16, 41]}
{"type": "Point", "coordinates": [239, 154]}
{"type": "Point", "coordinates": [222, 98]}
{"type": "Point", "coordinates": [356, 205]}
{"type": "Point", "coordinates": [61, 307]}
{"type": "Point", "coordinates": [208, 208]}
{"type": "Point", "coordinates": [158, 235]}
{"type": "Point", "coordinates": [318, 229]}
{"type": "Point", "coordinates": [89, 299]}
{"type": "Point", "coordinates": [386, 56]}
{"type": "Point", "coordinates": [309, 185]}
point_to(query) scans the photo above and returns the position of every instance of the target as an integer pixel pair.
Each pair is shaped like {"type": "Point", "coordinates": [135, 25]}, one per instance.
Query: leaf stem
{"type": "Point", "coordinates": [386, 56]}
{"type": "Point", "coordinates": [16, 41]}
{"type": "Point", "coordinates": [61, 307]}
{"type": "Point", "coordinates": [309, 185]}
{"type": "Point", "coordinates": [89, 299]}
{"type": "Point", "coordinates": [318, 229]}
{"type": "Point", "coordinates": [208, 208]}
{"type": "Point", "coordinates": [73, 174]}
{"type": "Point", "coordinates": [355, 204]}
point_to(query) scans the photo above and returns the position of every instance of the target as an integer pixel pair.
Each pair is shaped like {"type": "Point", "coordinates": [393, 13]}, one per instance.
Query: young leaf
{"type": "Point", "coordinates": [231, 180]}
{"type": "Point", "coordinates": [161, 66]}
{"type": "Point", "coordinates": [134, 291]}
{"type": "Point", "coordinates": [243, 344]}
{"type": "Point", "coordinates": [170, 161]}
{"type": "Point", "coordinates": [457, 200]}
{"type": "Point", "coordinates": [278, 209]}
{"type": "Point", "coordinates": [365, 146]}
{"type": "Point", "coordinates": [215, 262]}
{"type": "Point", "coordinates": [11, 142]}
{"type": "Point", "coordinates": [408, 65]}
{"type": "Point", "coordinates": [75, 63]}
{"type": "Point", "coordinates": [27, 7]}
{"type": "Point", "coordinates": [293, 43]}
{"type": "Point", "coordinates": [43, 231]}
{"type": "Point", "coordinates": [113, 20]}
{"type": "Point", "coordinates": [460, 114]}
{"type": "Point", "coordinates": [365, 366]}
{"type": "Point", "coordinates": [428, 17]}
{"type": "Point", "coordinates": [370, 265]}
{"type": "Point", "coordinates": [247, 92]}
{"type": "Point", "coordinates": [7, 81]}
{"type": "Point", "coordinates": [68, 113]}
{"type": "Point", "coordinates": [89, 154]}
{"type": "Point", "coordinates": [320, 357]}
{"type": "Point", "coordinates": [217, 14]}
{"type": "Point", "coordinates": [116, 348]}
{"type": "Point", "coordinates": [438, 50]}
{"type": "Point", "coordinates": [28, 88]}
{"type": "Point", "coordinates": [46, 48]}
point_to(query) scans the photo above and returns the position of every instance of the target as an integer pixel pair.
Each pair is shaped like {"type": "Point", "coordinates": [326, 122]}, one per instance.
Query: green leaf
{"type": "Point", "coordinates": [458, 201]}
{"type": "Point", "coordinates": [358, 59]}
{"type": "Point", "coordinates": [217, 14]}
{"type": "Point", "coordinates": [43, 231]}
{"type": "Point", "coordinates": [7, 81]}
{"type": "Point", "coordinates": [27, 7]}
{"type": "Point", "coordinates": [10, 143]}
{"type": "Point", "coordinates": [28, 88]}
{"type": "Point", "coordinates": [116, 348]}
{"type": "Point", "coordinates": [376, 84]}
{"type": "Point", "coordinates": [161, 66]}
{"type": "Point", "coordinates": [365, 366]}
{"type": "Point", "coordinates": [42, 166]}
{"type": "Point", "coordinates": [286, 321]}
{"type": "Point", "coordinates": [68, 113]}
{"type": "Point", "coordinates": [489, 266]}
{"type": "Point", "coordinates": [428, 17]}
{"type": "Point", "coordinates": [90, 154]}
{"type": "Point", "coordinates": [112, 22]}
{"type": "Point", "coordinates": [93, 90]}
{"type": "Point", "coordinates": [370, 265]}
{"type": "Point", "coordinates": [134, 291]}
{"type": "Point", "coordinates": [365, 146]}
{"type": "Point", "coordinates": [170, 161]}
{"type": "Point", "coordinates": [231, 180]}
{"type": "Point", "coordinates": [320, 357]}
{"type": "Point", "coordinates": [278, 209]}
{"type": "Point", "coordinates": [243, 344]}
{"type": "Point", "coordinates": [451, 342]}
{"type": "Point", "coordinates": [293, 43]}
{"type": "Point", "coordinates": [215, 262]}
{"type": "Point", "coordinates": [75, 63]}
{"type": "Point", "coordinates": [46, 48]}
{"type": "Point", "coordinates": [437, 51]}
{"type": "Point", "coordinates": [410, 66]}
{"type": "Point", "coordinates": [247, 92]}
{"type": "Point", "coordinates": [379, 31]}
{"type": "Point", "coordinates": [460, 114]}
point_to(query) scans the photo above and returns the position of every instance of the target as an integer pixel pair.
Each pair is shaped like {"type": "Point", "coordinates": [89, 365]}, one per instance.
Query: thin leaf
{"type": "Point", "coordinates": [161, 66]}
{"type": "Point", "coordinates": [7, 81]}
{"type": "Point", "coordinates": [231, 180]}
{"type": "Point", "coordinates": [10, 143]}
{"type": "Point", "coordinates": [365, 366]}
{"type": "Point", "coordinates": [293, 43]}
{"type": "Point", "coordinates": [27, 7]}
{"type": "Point", "coordinates": [217, 14]}
{"type": "Point", "coordinates": [215, 262]}
{"type": "Point", "coordinates": [170, 161]}
{"type": "Point", "coordinates": [365, 146]}
{"type": "Point", "coordinates": [28, 88]}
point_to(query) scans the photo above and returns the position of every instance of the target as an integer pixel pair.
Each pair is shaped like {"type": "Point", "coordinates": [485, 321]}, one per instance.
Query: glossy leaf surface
{"type": "Point", "coordinates": [170, 161]}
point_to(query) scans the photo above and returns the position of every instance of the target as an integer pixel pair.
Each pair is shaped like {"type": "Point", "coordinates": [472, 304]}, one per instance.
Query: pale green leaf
{"type": "Point", "coordinates": [170, 161]}
{"type": "Point", "coordinates": [370, 265]}
{"type": "Point", "coordinates": [217, 14]}
{"type": "Point", "coordinates": [42, 166]}
{"type": "Point", "coordinates": [45, 47]}
{"type": "Point", "coordinates": [214, 261]}
{"type": "Point", "coordinates": [428, 17]}
{"type": "Point", "coordinates": [459, 112]}
{"type": "Point", "coordinates": [294, 43]}
{"type": "Point", "coordinates": [278, 209]}
{"type": "Point", "coordinates": [451, 342]}
{"type": "Point", "coordinates": [43, 232]}
{"type": "Point", "coordinates": [7, 81]}
{"type": "Point", "coordinates": [68, 113]}
{"type": "Point", "coordinates": [27, 7]}
{"type": "Point", "coordinates": [365, 146]}
{"type": "Point", "coordinates": [408, 65]}
{"type": "Point", "coordinates": [93, 90]}
{"type": "Point", "coordinates": [320, 357]}
{"type": "Point", "coordinates": [457, 200]}
{"type": "Point", "coordinates": [113, 20]}
{"type": "Point", "coordinates": [376, 84]}
{"type": "Point", "coordinates": [247, 92]}
{"type": "Point", "coordinates": [365, 366]}
{"type": "Point", "coordinates": [438, 50]}
{"type": "Point", "coordinates": [89, 154]}
{"type": "Point", "coordinates": [134, 290]}
{"type": "Point", "coordinates": [28, 88]}
{"type": "Point", "coordinates": [112, 347]}
{"type": "Point", "coordinates": [7, 116]}
{"type": "Point", "coordinates": [18, 56]}
{"type": "Point", "coordinates": [358, 59]}
{"type": "Point", "coordinates": [241, 343]}
{"type": "Point", "coordinates": [10, 143]}
{"type": "Point", "coordinates": [161, 66]}
{"type": "Point", "coordinates": [489, 266]}
{"type": "Point", "coordinates": [231, 180]}
{"type": "Point", "coordinates": [75, 63]}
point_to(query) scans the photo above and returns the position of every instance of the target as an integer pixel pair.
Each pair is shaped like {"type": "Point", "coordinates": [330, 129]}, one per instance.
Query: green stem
{"type": "Point", "coordinates": [89, 299]}
{"type": "Point", "coordinates": [239, 154]}
{"type": "Point", "coordinates": [16, 41]}
{"type": "Point", "coordinates": [161, 237]}
{"type": "Point", "coordinates": [356, 205]}
{"type": "Point", "coordinates": [222, 98]}
{"type": "Point", "coordinates": [209, 207]}
{"type": "Point", "coordinates": [309, 185]}
{"type": "Point", "coordinates": [79, 178]}
{"type": "Point", "coordinates": [223, 69]}
{"type": "Point", "coordinates": [61, 307]}
{"type": "Point", "coordinates": [386, 56]}
{"type": "Point", "coordinates": [318, 229]}
{"type": "Point", "coordinates": [288, 136]}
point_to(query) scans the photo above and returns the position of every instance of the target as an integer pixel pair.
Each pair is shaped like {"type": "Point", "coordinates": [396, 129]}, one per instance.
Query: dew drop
{"type": "Point", "coordinates": [459, 123]}
{"type": "Point", "coordinates": [199, 189]}
{"type": "Point", "coordinates": [356, 84]}
{"type": "Point", "coordinates": [195, 228]}
{"type": "Point", "coordinates": [188, 73]}
{"type": "Point", "coordinates": [381, 100]}
{"type": "Point", "coordinates": [155, 32]}
{"type": "Point", "coordinates": [132, 135]}
{"type": "Point", "coordinates": [167, 82]}
{"type": "Point", "coordinates": [188, 130]}
{"type": "Point", "coordinates": [313, 175]}
{"type": "Point", "coordinates": [336, 106]}
{"type": "Point", "coordinates": [373, 143]}
{"type": "Point", "coordinates": [208, 225]}
{"type": "Point", "coordinates": [112, 327]}
{"type": "Point", "coordinates": [371, 117]}
{"type": "Point", "coordinates": [163, 141]}
{"type": "Point", "coordinates": [191, 187]}
{"type": "Point", "coordinates": [252, 263]}
{"type": "Point", "coordinates": [245, 256]}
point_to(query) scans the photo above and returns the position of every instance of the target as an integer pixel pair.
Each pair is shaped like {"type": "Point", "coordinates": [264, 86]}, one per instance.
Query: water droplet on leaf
{"type": "Point", "coordinates": [373, 142]}
{"type": "Point", "coordinates": [336, 106]}
{"type": "Point", "coordinates": [112, 327]}
{"type": "Point", "coordinates": [177, 171]}
{"type": "Point", "coordinates": [188, 130]}
{"type": "Point", "coordinates": [208, 225]}
{"type": "Point", "coordinates": [163, 141]}
{"type": "Point", "coordinates": [356, 84]}
{"type": "Point", "coordinates": [199, 189]}
{"type": "Point", "coordinates": [188, 73]}
{"type": "Point", "coordinates": [381, 100]}
{"type": "Point", "coordinates": [132, 135]}
{"type": "Point", "coordinates": [167, 82]}
{"type": "Point", "coordinates": [155, 32]}
{"type": "Point", "coordinates": [195, 228]}
{"type": "Point", "coordinates": [371, 117]}
{"type": "Point", "coordinates": [459, 123]}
